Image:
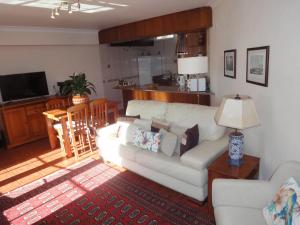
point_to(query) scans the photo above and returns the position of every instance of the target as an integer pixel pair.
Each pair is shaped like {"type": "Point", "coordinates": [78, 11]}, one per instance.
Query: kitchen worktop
{"type": "Point", "coordinates": [164, 93]}
{"type": "Point", "coordinates": [157, 88]}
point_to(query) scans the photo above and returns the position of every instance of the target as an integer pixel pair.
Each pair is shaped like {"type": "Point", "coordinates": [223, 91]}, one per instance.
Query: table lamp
{"type": "Point", "coordinates": [193, 66]}
{"type": "Point", "coordinates": [236, 112]}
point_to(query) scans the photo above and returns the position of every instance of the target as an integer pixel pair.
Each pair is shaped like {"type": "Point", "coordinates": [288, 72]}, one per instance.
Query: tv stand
{"type": "Point", "coordinates": [23, 121]}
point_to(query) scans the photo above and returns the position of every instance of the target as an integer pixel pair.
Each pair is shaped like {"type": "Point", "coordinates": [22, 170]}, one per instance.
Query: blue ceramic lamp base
{"type": "Point", "coordinates": [236, 148]}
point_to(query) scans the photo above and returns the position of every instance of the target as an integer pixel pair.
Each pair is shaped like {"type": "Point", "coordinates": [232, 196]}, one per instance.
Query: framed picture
{"type": "Point", "coordinates": [230, 63]}
{"type": "Point", "coordinates": [258, 65]}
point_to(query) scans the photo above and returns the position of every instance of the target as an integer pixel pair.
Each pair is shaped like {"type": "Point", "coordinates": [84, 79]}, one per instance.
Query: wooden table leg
{"type": "Point", "coordinates": [116, 113]}
{"type": "Point", "coordinates": [52, 135]}
{"type": "Point", "coordinates": [66, 137]}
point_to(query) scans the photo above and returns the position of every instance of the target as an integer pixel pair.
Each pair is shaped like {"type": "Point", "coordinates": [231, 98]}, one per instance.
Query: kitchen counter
{"type": "Point", "coordinates": [170, 89]}
{"type": "Point", "coordinates": [163, 93]}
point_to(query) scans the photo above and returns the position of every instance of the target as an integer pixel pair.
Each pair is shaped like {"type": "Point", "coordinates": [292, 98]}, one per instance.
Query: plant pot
{"type": "Point", "coordinates": [80, 99]}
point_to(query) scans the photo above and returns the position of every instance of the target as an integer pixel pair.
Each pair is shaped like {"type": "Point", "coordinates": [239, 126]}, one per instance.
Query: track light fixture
{"type": "Point", "coordinates": [65, 5]}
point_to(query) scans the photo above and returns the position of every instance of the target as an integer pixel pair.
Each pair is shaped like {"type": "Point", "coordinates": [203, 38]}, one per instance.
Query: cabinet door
{"type": "Point", "coordinates": [36, 120]}
{"type": "Point", "coordinates": [16, 125]}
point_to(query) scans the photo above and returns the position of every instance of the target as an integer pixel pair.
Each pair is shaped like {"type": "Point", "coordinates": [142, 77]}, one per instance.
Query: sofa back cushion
{"type": "Point", "coordinates": [147, 109]}
{"type": "Point", "coordinates": [187, 115]}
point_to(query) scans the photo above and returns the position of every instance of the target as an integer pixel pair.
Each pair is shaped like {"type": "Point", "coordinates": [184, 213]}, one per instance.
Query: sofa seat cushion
{"type": "Point", "coordinates": [128, 151]}
{"type": "Point", "coordinates": [238, 216]}
{"type": "Point", "coordinates": [171, 166]}
{"type": "Point", "coordinates": [201, 156]}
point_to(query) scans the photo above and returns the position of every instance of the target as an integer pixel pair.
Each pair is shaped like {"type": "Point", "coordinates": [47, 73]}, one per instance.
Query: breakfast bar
{"type": "Point", "coordinates": [164, 93]}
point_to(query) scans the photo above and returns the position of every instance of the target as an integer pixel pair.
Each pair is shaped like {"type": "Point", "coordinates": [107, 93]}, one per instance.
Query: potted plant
{"type": "Point", "coordinates": [78, 87]}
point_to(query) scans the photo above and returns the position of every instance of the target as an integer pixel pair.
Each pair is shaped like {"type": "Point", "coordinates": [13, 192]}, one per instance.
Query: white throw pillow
{"type": "Point", "coordinates": [129, 136]}
{"type": "Point", "coordinates": [168, 142]}
{"type": "Point", "coordinates": [179, 132]}
{"type": "Point", "coordinates": [284, 209]}
{"type": "Point", "coordinates": [145, 124]}
{"type": "Point", "coordinates": [122, 129]}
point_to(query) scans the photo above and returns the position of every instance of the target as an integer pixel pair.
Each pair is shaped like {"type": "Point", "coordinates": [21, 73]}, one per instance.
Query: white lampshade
{"type": "Point", "coordinates": [193, 65]}
{"type": "Point", "coordinates": [237, 113]}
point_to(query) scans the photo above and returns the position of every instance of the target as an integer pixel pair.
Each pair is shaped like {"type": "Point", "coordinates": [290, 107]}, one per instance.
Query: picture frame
{"type": "Point", "coordinates": [230, 63]}
{"type": "Point", "coordinates": [258, 65]}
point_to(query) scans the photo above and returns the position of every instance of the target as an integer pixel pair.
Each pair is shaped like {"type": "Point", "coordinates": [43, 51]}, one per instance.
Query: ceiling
{"type": "Point", "coordinates": [96, 14]}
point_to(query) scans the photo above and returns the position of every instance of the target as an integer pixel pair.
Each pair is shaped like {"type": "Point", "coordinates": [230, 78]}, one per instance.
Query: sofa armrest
{"type": "Point", "coordinates": [242, 193]}
{"type": "Point", "coordinates": [108, 131]}
{"type": "Point", "coordinates": [203, 154]}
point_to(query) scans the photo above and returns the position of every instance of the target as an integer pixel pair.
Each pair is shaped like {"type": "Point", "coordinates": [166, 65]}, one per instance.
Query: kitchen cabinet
{"type": "Point", "coordinates": [181, 22]}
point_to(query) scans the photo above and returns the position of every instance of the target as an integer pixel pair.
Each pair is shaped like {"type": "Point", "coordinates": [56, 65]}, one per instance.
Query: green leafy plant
{"type": "Point", "coordinates": [77, 85]}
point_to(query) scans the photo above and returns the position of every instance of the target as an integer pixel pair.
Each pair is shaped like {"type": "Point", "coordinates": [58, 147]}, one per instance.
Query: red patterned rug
{"type": "Point", "coordinates": [91, 192]}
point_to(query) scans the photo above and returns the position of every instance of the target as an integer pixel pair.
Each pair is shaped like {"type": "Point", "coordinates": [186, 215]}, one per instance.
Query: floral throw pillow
{"type": "Point", "coordinates": [146, 140]}
{"type": "Point", "coordinates": [284, 209]}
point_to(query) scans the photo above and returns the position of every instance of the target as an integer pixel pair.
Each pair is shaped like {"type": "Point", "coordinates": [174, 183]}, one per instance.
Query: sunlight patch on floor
{"type": "Point", "coordinates": [49, 201]}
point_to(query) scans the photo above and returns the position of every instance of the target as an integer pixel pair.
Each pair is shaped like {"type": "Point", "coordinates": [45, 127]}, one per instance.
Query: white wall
{"type": "Point", "coordinates": [243, 24]}
{"type": "Point", "coordinates": [58, 52]}
{"type": "Point", "coordinates": [121, 62]}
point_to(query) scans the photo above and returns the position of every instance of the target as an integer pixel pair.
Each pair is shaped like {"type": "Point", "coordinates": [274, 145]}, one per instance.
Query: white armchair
{"type": "Point", "coordinates": [240, 202]}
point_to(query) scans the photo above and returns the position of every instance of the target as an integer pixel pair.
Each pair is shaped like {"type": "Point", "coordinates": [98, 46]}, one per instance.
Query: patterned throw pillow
{"type": "Point", "coordinates": [146, 140]}
{"type": "Point", "coordinates": [284, 209]}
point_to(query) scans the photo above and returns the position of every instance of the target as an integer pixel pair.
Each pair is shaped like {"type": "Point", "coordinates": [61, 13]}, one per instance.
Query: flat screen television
{"type": "Point", "coordinates": [22, 86]}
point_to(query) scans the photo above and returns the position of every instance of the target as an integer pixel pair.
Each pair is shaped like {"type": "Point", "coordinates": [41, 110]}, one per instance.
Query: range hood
{"type": "Point", "coordinates": [136, 43]}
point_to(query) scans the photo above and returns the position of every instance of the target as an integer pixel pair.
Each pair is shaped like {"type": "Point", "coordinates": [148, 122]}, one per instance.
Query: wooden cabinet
{"type": "Point", "coordinates": [36, 120]}
{"type": "Point", "coordinates": [181, 22]}
{"type": "Point", "coordinates": [16, 124]}
{"type": "Point", "coordinates": [24, 122]}
{"type": "Point", "coordinates": [192, 44]}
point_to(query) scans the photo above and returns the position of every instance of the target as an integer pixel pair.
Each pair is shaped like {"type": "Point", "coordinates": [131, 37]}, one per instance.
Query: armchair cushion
{"type": "Point", "coordinates": [242, 193]}
{"type": "Point", "coordinates": [228, 215]}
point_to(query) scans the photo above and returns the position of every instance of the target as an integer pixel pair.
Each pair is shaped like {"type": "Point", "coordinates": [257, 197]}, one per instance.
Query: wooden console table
{"type": "Point", "coordinates": [23, 121]}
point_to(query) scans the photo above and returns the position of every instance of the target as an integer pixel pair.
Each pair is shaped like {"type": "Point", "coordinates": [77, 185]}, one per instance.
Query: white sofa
{"type": "Point", "coordinates": [241, 202]}
{"type": "Point", "coordinates": [186, 174]}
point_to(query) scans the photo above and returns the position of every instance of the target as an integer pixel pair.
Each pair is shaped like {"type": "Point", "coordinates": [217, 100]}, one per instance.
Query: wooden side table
{"type": "Point", "coordinates": [220, 168]}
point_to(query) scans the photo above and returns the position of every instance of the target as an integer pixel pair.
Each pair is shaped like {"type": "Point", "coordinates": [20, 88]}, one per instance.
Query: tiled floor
{"type": "Point", "coordinates": [22, 165]}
